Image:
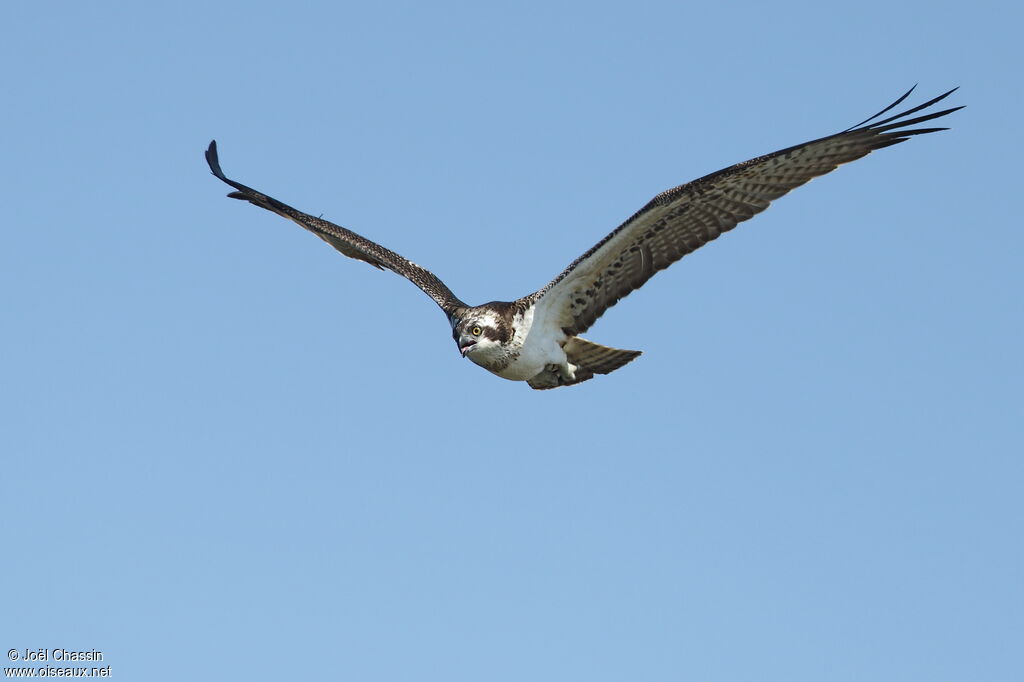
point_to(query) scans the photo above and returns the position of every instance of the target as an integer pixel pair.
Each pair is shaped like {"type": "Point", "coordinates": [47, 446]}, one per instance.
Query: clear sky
{"type": "Point", "coordinates": [231, 453]}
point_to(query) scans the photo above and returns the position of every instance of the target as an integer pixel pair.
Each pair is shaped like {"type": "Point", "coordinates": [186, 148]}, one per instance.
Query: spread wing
{"type": "Point", "coordinates": [681, 220]}
{"type": "Point", "coordinates": [346, 241]}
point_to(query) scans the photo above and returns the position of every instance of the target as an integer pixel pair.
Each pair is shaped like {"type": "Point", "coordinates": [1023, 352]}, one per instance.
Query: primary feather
{"type": "Point", "coordinates": [535, 338]}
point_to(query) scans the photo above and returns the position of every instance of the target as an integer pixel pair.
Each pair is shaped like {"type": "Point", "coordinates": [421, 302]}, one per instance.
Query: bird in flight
{"type": "Point", "coordinates": [536, 338]}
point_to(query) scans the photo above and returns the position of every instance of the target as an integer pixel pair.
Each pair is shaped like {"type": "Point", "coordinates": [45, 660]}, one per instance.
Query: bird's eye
{"type": "Point", "coordinates": [476, 331]}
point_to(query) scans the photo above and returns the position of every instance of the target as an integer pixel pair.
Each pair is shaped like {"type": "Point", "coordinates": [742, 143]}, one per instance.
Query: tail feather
{"type": "Point", "coordinates": [589, 358]}
{"type": "Point", "coordinates": [595, 357]}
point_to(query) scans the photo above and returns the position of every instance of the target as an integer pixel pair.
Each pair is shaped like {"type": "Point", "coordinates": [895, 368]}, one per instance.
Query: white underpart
{"type": "Point", "coordinates": [536, 345]}
{"type": "Point", "coordinates": [539, 344]}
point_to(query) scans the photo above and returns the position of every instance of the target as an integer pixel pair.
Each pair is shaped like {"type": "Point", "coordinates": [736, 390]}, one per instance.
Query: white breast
{"type": "Point", "coordinates": [536, 344]}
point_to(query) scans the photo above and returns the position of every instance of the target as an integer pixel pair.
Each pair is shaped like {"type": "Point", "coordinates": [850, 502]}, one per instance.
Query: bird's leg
{"type": "Point", "coordinates": [567, 370]}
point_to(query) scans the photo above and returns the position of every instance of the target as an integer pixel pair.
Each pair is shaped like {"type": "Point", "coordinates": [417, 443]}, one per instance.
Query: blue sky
{"type": "Point", "coordinates": [231, 453]}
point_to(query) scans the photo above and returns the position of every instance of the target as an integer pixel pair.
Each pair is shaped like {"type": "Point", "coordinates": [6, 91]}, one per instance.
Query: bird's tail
{"type": "Point", "coordinates": [595, 357]}
{"type": "Point", "coordinates": [589, 359]}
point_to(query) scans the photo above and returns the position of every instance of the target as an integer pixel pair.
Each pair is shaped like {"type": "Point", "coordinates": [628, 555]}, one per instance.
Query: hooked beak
{"type": "Point", "coordinates": [465, 344]}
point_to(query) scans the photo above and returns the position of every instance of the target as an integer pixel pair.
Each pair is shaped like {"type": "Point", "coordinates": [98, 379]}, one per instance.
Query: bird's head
{"type": "Point", "coordinates": [480, 333]}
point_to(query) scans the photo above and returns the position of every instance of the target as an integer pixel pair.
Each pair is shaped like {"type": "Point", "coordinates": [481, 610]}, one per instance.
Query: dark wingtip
{"type": "Point", "coordinates": [213, 160]}
{"type": "Point", "coordinates": [886, 124]}
{"type": "Point", "coordinates": [891, 106]}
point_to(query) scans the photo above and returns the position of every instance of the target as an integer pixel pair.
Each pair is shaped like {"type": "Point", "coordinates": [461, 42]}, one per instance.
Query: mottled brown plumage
{"type": "Point", "coordinates": [535, 338]}
{"type": "Point", "coordinates": [684, 218]}
{"type": "Point", "coordinates": [345, 241]}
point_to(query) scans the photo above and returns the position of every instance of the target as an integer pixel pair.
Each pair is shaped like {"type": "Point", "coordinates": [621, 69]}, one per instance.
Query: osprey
{"type": "Point", "coordinates": [536, 338]}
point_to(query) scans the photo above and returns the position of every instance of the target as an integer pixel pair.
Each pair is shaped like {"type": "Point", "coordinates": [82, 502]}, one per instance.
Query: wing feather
{"type": "Point", "coordinates": [684, 218]}
{"type": "Point", "coordinates": [347, 242]}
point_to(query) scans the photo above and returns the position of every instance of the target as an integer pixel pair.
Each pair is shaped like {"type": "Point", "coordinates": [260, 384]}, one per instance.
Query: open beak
{"type": "Point", "coordinates": [465, 344]}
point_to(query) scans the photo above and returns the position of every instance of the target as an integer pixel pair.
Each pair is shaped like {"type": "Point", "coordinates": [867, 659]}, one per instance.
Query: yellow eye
{"type": "Point", "coordinates": [476, 331]}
